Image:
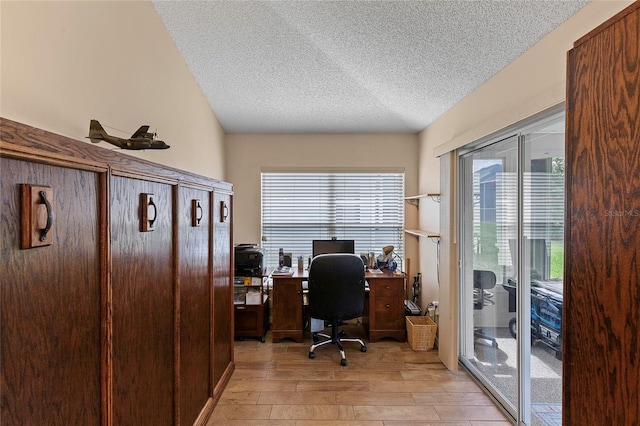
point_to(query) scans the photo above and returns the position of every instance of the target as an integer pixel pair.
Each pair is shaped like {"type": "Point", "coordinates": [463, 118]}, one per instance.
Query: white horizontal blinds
{"type": "Point", "coordinates": [298, 207]}
{"type": "Point", "coordinates": [543, 206]}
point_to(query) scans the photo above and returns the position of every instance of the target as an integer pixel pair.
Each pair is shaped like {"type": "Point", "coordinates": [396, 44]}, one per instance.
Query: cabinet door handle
{"type": "Point", "coordinates": [224, 211]}
{"type": "Point", "coordinates": [387, 306]}
{"type": "Point", "coordinates": [47, 227]}
{"type": "Point", "coordinates": [36, 216]}
{"type": "Point", "coordinates": [197, 213]}
{"type": "Point", "coordinates": [149, 212]}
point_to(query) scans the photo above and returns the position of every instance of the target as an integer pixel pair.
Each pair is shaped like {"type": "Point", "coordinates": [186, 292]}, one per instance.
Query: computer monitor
{"type": "Point", "coordinates": [332, 246]}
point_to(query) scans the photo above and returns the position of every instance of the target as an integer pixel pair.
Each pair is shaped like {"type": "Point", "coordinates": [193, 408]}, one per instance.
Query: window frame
{"type": "Point", "coordinates": [349, 195]}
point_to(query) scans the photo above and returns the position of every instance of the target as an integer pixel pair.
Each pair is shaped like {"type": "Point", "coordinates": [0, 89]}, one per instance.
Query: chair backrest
{"type": "Point", "coordinates": [336, 287]}
{"type": "Point", "coordinates": [482, 280]}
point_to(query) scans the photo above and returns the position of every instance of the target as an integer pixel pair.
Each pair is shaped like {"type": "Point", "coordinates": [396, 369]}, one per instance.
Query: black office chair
{"type": "Point", "coordinates": [336, 294]}
{"type": "Point", "coordinates": [482, 282]}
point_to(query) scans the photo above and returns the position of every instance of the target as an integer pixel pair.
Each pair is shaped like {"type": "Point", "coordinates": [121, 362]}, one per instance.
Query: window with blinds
{"type": "Point", "coordinates": [299, 207]}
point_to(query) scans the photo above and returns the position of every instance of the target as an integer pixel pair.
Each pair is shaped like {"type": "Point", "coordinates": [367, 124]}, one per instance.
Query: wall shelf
{"type": "Point", "coordinates": [415, 199]}
{"type": "Point", "coordinates": [422, 233]}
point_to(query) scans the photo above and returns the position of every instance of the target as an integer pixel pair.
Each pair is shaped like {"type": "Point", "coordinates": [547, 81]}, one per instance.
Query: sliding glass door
{"type": "Point", "coordinates": [489, 260]}
{"type": "Point", "coordinates": [512, 211]}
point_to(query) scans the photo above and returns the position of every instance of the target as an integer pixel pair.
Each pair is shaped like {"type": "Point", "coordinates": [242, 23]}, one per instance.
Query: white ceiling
{"type": "Point", "coordinates": [349, 66]}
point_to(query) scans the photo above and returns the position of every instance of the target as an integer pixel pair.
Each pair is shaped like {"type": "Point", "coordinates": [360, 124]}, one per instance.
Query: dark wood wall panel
{"type": "Point", "coordinates": [222, 285]}
{"type": "Point", "coordinates": [602, 290]}
{"type": "Point", "coordinates": [195, 306]}
{"type": "Point", "coordinates": [113, 322]}
{"type": "Point", "coordinates": [50, 302]}
{"type": "Point", "coordinates": [143, 310]}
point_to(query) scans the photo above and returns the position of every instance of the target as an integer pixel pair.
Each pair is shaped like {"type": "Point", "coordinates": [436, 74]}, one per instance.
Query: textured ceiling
{"type": "Point", "coordinates": [349, 66]}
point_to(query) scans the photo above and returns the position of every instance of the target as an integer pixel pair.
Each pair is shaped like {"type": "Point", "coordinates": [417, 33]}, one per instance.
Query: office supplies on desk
{"type": "Point", "coordinates": [283, 270]}
{"type": "Point", "coordinates": [386, 259]}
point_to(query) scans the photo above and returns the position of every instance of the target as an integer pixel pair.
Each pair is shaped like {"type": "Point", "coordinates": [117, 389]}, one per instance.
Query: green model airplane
{"type": "Point", "coordinates": [141, 139]}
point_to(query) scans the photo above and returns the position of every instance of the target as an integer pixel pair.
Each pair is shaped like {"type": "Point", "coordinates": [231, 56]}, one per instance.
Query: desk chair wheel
{"type": "Point", "coordinates": [363, 348]}
{"type": "Point", "coordinates": [312, 355]}
{"type": "Point", "coordinates": [343, 362]}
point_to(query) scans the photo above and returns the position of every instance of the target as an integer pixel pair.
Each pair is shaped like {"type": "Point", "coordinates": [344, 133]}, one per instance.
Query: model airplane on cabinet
{"type": "Point", "coordinates": [141, 139]}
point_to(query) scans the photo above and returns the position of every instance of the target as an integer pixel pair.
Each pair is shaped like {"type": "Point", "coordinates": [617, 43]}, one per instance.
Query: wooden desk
{"type": "Point", "coordinates": [383, 314]}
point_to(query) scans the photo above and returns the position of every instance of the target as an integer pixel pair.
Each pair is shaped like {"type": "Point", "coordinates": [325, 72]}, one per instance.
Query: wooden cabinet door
{"type": "Point", "coordinates": [287, 309]}
{"type": "Point", "coordinates": [601, 325]}
{"type": "Point", "coordinates": [222, 284]}
{"type": "Point", "coordinates": [194, 230]}
{"type": "Point", "coordinates": [50, 304]}
{"type": "Point", "coordinates": [143, 308]}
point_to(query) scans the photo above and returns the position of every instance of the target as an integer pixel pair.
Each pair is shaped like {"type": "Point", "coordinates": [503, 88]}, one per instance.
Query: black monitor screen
{"type": "Point", "coordinates": [332, 246]}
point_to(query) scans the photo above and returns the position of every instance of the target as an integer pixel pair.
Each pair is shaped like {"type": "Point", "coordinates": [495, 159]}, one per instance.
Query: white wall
{"type": "Point", "coordinates": [248, 155]}
{"type": "Point", "coordinates": [66, 62]}
{"type": "Point", "coordinates": [531, 84]}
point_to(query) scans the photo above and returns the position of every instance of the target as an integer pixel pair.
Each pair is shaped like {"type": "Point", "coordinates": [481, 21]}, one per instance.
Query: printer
{"type": "Point", "coordinates": [249, 260]}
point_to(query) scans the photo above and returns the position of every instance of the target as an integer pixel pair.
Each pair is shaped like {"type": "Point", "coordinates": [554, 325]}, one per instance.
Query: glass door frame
{"type": "Point", "coordinates": [466, 320]}
{"type": "Point", "coordinates": [522, 411]}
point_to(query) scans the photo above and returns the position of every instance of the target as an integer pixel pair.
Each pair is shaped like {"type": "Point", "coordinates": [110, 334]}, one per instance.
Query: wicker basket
{"type": "Point", "coordinates": [421, 332]}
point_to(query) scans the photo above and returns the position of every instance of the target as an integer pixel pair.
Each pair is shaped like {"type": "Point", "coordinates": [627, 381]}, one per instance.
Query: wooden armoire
{"type": "Point", "coordinates": [116, 296]}
{"type": "Point", "coordinates": [601, 365]}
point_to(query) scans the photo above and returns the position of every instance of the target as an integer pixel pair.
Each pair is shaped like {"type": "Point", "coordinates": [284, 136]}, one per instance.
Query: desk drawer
{"type": "Point", "coordinates": [389, 312]}
{"type": "Point", "coordinates": [386, 289]}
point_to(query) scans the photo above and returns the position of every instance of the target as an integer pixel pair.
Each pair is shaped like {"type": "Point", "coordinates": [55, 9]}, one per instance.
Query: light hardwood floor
{"type": "Point", "coordinates": [390, 384]}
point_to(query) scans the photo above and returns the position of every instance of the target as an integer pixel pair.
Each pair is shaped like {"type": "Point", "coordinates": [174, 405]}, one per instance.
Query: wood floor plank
{"type": "Point", "coordinates": [466, 412]}
{"type": "Point", "coordinates": [451, 398]}
{"type": "Point", "coordinates": [249, 422]}
{"type": "Point", "coordinates": [261, 385]}
{"type": "Point", "coordinates": [240, 412]}
{"type": "Point", "coordinates": [339, 423]}
{"type": "Point", "coordinates": [282, 398]}
{"type": "Point", "coordinates": [374, 398]}
{"type": "Point", "coordinates": [333, 385]}
{"type": "Point", "coordinates": [389, 412]}
{"type": "Point", "coordinates": [240, 397]}
{"type": "Point", "coordinates": [312, 412]}
{"type": "Point", "coordinates": [406, 386]}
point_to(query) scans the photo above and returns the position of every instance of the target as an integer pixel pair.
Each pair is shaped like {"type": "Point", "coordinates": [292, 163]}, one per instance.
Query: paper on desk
{"type": "Point", "coordinates": [284, 271]}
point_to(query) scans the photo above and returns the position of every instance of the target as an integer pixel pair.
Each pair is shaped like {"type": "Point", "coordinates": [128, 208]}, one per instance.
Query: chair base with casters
{"type": "Point", "coordinates": [337, 337]}
{"type": "Point", "coordinates": [479, 334]}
